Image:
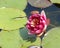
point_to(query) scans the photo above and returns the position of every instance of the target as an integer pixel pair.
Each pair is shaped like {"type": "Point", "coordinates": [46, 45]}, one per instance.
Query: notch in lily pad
{"type": "Point", "coordinates": [6, 21]}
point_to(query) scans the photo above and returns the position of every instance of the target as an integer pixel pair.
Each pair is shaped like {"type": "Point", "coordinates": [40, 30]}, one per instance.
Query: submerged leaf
{"type": "Point", "coordinates": [29, 40]}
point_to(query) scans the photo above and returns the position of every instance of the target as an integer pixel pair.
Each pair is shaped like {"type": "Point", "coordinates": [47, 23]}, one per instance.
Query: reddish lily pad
{"type": "Point", "coordinates": [40, 3]}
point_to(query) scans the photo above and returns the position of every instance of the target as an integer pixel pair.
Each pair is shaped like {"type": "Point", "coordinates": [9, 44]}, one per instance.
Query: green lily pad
{"type": "Point", "coordinates": [10, 39]}
{"type": "Point", "coordinates": [11, 18]}
{"type": "Point", "coordinates": [20, 4]}
{"type": "Point", "coordinates": [52, 39]}
{"type": "Point", "coordinates": [14, 39]}
{"type": "Point", "coordinates": [55, 1]}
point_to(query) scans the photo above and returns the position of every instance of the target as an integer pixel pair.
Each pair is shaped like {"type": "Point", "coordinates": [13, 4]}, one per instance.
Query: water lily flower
{"type": "Point", "coordinates": [37, 23]}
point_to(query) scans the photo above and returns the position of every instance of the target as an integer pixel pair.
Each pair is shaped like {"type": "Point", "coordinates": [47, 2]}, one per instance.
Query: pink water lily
{"type": "Point", "coordinates": [37, 23]}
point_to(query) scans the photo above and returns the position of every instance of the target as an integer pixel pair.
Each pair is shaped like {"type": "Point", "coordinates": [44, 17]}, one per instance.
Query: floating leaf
{"type": "Point", "coordinates": [40, 3]}
{"type": "Point", "coordinates": [55, 1]}
{"type": "Point", "coordinates": [17, 39]}
{"type": "Point", "coordinates": [20, 4]}
{"type": "Point", "coordinates": [52, 39]}
{"type": "Point", "coordinates": [10, 39]}
{"type": "Point", "coordinates": [11, 18]}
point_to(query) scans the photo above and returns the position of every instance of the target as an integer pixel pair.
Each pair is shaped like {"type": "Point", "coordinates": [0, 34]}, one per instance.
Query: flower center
{"type": "Point", "coordinates": [35, 22]}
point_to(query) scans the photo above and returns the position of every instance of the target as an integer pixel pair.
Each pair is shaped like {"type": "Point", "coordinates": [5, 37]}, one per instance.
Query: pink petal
{"type": "Point", "coordinates": [40, 26]}
{"type": "Point", "coordinates": [28, 26]}
{"type": "Point", "coordinates": [43, 14]}
{"type": "Point", "coordinates": [28, 21]}
{"type": "Point", "coordinates": [45, 27]}
{"type": "Point", "coordinates": [38, 31]}
{"type": "Point", "coordinates": [35, 29]}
